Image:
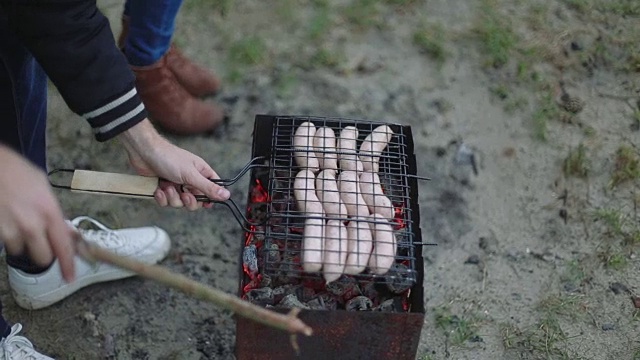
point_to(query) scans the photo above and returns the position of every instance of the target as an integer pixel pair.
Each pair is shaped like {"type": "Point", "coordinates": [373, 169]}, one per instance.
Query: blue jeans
{"type": "Point", "coordinates": [23, 117]}
{"type": "Point", "coordinates": [151, 27]}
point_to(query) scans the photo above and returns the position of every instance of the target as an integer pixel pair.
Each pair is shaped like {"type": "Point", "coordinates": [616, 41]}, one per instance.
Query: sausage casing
{"type": "Point", "coordinates": [384, 245]}
{"type": "Point", "coordinates": [347, 150]}
{"type": "Point", "coordinates": [324, 145]}
{"type": "Point", "coordinates": [351, 195]}
{"type": "Point", "coordinates": [373, 195]}
{"type": "Point", "coordinates": [329, 195]}
{"type": "Point", "coordinates": [372, 147]}
{"type": "Point", "coordinates": [359, 245]}
{"type": "Point", "coordinates": [335, 250]}
{"type": "Point", "coordinates": [303, 146]}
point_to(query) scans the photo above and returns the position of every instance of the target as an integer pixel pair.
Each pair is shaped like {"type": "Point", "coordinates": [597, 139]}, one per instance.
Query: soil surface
{"type": "Point", "coordinates": [537, 248]}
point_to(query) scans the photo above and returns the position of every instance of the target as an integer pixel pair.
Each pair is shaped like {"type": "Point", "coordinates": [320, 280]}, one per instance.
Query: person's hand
{"type": "Point", "coordinates": [30, 217]}
{"type": "Point", "coordinates": [152, 155]}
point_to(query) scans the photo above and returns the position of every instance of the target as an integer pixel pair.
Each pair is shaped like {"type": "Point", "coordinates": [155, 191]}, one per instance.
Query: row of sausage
{"type": "Point", "coordinates": [327, 204]}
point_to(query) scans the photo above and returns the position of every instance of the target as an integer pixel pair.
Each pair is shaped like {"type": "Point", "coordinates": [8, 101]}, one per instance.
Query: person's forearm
{"type": "Point", "coordinates": [139, 138]}
{"type": "Point", "coordinates": [74, 44]}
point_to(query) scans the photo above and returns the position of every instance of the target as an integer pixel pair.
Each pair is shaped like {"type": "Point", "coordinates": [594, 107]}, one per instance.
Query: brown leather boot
{"type": "Point", "coordinates": [170, 106]}
{"type": "Point", "coordinates": [194, 78]}
{"type": "Point", "coordinates": [197, 80]}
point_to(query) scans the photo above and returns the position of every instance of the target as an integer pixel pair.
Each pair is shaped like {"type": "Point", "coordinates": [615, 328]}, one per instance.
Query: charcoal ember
{"type": "Point", "coordinates": [288, 274]}
{"type": "Point", "coordinates": [250, 259]}
{"type": "Point", "coordinates": [290, 301]}
{"type": "Point", "coordinates": [390, 305]}
{"type": "Point", "coordinates": [271, 253]}
{"type": "Point", "coordinates": [315, 304]}
{"type": "Point", "coordinates": [342, 286]}
{"type": "Point", "coordinates": [398, 279]}
{"type": "Point", "coordinates": [369, 290]}
{"type": "Point", "coordinates": [261, 296]}
{"type": "Point", "coordinates": [281, 291]}
{"type": "Point", "coordinates": [359, 303]}
{"type": "Point", "coordinates": [304, 293]}
{"type": "Point", "coordinates": [328, 301]}
{"type": "Point", "coordinates": [265, 281]}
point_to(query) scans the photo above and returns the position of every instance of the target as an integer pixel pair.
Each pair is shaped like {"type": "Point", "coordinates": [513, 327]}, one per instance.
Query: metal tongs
{"type": "Point", "coordinates": [136, 186]}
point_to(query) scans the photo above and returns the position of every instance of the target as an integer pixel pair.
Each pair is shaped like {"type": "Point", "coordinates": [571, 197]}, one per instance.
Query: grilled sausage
{"type": "Point", "coordinates": [313, 234]}
{"type": "Point", "coordinates": [313, 243]}
{"type": "Point", "coordinates": [335, 250]}
{"type": "Point", "coordinates": [372, 147]}
{"type": "Point", "coordinates": [324, 144]}
{"type": "Point", "coordinates": [373, 195]}
{"type": "Point", "coordinates": [327, 191]}
{"type": "Point", "coordinates": [359, 245]}
{"type": "Point", "coordinates": [350, 194]}
{"type": "Point", "coordinates": [303, 147]}
{"type": "Point", "coordinates": [347, 150]}
{"type": "Point", "coordinates": [304, 191]}
{"type": "Point", "coordinates": [384, 245]}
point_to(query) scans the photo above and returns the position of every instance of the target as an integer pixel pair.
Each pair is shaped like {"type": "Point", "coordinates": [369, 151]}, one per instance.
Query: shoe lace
{"type": "Point", "coordinates": [104, 235]}
{"type": "Point", "coordinates": [16, 347]}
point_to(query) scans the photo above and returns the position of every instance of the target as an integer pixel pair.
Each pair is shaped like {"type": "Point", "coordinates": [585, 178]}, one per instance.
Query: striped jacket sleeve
{"type": "Point", "coordinates": [73, 43]}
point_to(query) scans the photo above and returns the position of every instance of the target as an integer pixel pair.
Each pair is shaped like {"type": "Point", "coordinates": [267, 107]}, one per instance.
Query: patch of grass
{"type": "Point", "coordinates": [457, 329]}
{"type": "Point", "coordinates": [590, 131]}
{"type": "Point", "coordinates": [579, 5]}
{"type": "Point", "coordinates": [501, 91]}
{"type": "Point", "coordinates": [363, 14]}
{"type": "Point", "coordinates": [546, 339]}
{"type": "Point", "coordinates": [496, 35]}
{"type": "Point", "coordinates": [616, 261]}
{"type": "Point", "coordinates": [325, 58]}
{"type": "Point", "coordinates": [248, 51]}
{"type": "Point", "coordinates": [627, 166]}
{"type": "Point", "coordinates": [515, 103]}
{"type": "Point", "coordinates": [576, 272]}
{"type": "Point", "coordinates": [222, 7]}
{"type": "Point", "coordinates": [430, 40]}
{"type": "Point", "coordinates": [542, 341]}
{"type": "Point", "coordinates": [613, 219]}
{"type": "Point", "coordinates": [563, 305]}
{"type": "Point", "coordinates": [546, 110]}
{"type": "Point", "coordinates": [576, 164]}
{"type": "Point", "coordinates": [320, 23]}
{"type": "Point", "coordinates": [286, 84]}
{"type": "Point", "coordinates": [400, 2]}
{"type": "Point", "coordinates": [612, 258]}
{"type": "Point", "coordinates": [622, 7]}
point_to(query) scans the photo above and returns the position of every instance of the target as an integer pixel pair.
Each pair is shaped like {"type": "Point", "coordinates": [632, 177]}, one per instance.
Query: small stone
{"type": "Point", "coordinates": [489, 243]}
{"type": "Point", "coordinates": [476, 338]}
{"type": "Point", "coordinates": [618, 288]}
{"type": "Point", "coordinates": [572, 104]}
{"type": "Point", "coordinates": [608, 327]}
{"type": "Point", "coordinates": [570, 287]}
{"type": "Point", "coordinates": [473, 260]}
{"type": "Point", "coordinates": [576, 46]}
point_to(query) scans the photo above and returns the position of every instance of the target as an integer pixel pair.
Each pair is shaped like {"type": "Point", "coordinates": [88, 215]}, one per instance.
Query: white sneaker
{"type": "Point", "coordinates": [36, 291]}
{"type": "Point", "coordinates": [15, 347]}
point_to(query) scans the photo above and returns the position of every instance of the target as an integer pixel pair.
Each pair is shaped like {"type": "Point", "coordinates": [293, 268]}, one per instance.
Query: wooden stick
{"type": "Point", "coordinates": [290, 322]}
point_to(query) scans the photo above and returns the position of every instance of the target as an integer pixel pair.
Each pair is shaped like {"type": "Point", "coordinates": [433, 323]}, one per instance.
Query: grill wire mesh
{"type": "Point", "coordinates": [284, 229]}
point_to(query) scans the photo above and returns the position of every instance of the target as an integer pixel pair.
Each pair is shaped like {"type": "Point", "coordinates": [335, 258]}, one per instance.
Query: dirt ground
{"type": "Point", "coordinates": [537, 254]}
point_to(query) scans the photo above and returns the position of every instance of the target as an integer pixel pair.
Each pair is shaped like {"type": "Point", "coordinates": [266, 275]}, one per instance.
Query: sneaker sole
{"type": "Point", "coordinates": [47, 299]}
{"type": "Point", "coordinates": [50, 298]}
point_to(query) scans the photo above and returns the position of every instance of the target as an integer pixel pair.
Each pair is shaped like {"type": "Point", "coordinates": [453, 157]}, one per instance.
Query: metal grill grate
{"type": "Point", "coordinates": [285, 226]}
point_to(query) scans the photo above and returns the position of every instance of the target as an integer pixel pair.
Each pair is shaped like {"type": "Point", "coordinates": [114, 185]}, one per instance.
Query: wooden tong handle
{"type": "Point", "coordinates": [133, 186]}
